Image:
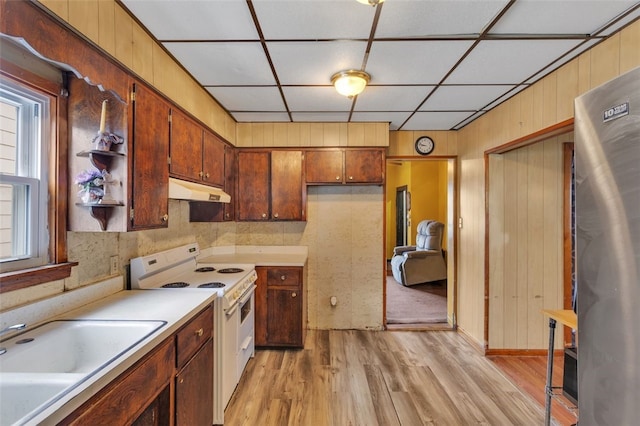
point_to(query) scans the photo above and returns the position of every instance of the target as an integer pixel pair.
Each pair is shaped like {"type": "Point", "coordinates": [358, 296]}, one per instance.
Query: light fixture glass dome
{"type": "Point", "coordinates": [370, 2]}
{"type": "Point", "coordinates": [350, 83]}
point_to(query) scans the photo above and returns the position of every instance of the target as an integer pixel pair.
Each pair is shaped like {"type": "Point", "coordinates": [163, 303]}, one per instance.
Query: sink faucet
{"type": "Point", "coordinates": [9, 330]}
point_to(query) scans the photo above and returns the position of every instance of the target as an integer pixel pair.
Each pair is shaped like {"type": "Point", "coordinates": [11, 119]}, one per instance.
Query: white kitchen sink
{"type": "Point", "coordinates": [42, 364]}
{"type": "Point", "coordinates": [23, 393]}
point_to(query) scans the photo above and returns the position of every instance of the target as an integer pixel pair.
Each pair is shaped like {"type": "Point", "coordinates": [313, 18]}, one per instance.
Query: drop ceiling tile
{"type": "Point", "coordinates": [424, 18]}
{"type": "Point", "coordinates": [451, 98]}
{"type": "Point", "coordinates": [435, 120]}
{"type": "Point", "coordinates": [327, 117]}
{"type": "Point", "coordinates": [508, 61]}
{"type": "Point", "coordinates": [559, 16]}
{"type": "Point", "coordinates": [195, 20]}
{"type": "Point", "coordinates": [314, 63]}
{"type": "Point", "coordinates": [224, 63]}
{"type": "Point", "coordinates": [413, 62]}
{"type": "Point", "coordinates": [296, 19]}
{"type": "Point", "coordinates": [395, 119]}
{"type": "Point", "coordinates": [392, 98]}
{"type": "Point", "coordinates": [315, 99]}
{"type": "Point", "coordinates": [561, 61]}
{"type": "Point", "coordinates": [248, 98]}
{"type": "Point", "coordinates": [248, 117]}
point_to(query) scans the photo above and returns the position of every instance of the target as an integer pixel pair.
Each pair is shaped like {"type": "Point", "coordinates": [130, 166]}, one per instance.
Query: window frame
{"type": "Point", "coordinates": [57, 267]}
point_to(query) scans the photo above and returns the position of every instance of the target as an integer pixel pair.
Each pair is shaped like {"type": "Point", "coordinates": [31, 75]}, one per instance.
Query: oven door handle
{"type": "Point", "coordinates": [247, 295]}
{"type": "Point", "coordinates": [246, 343]}
{"type": "Point", "coordinates": [232, 310]}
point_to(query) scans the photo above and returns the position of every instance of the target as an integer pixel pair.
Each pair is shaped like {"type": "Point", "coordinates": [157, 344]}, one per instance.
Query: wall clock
{"type": "Point", "coordinates": [424, 145]}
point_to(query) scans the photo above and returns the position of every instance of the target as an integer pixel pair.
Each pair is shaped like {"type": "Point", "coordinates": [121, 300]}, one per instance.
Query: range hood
{"type": "Point", "coordinates": [184, 190]}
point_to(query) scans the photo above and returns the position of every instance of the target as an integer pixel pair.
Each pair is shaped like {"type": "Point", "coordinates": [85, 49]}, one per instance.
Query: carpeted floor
{"type": "Point", "coordinates": [416, 304]}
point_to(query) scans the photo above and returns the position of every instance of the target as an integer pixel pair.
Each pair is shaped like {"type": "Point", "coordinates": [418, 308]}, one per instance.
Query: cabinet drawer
{"type": "Point", "coordinates": [290, 277]}
{"type": "Point", "coordinates": [193, 335]}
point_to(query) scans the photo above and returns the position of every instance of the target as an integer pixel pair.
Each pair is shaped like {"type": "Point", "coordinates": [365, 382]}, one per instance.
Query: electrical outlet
{"type": "Point", "coordinates": [114, 264]}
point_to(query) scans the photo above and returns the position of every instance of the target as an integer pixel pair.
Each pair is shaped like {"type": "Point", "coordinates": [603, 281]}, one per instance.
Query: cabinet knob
{"type": "Point", "coordinates": [206, 175]}
{"type": "Point", "coordinates": [350, 177]}
{"type": "Point", "coordinates": [165, 218]}
{"type": "Point", "coordinates": [201, 173]}
{"type": "Point", "coordinates": [227, 215]}
{"type": "Point", "coordinates": [199, 332]}
{"type": "Point", "coordinates": [337, 177]}
{"type": "Point", "coordinates": [283, 277]}
{"type": "Point", "coordinates": [264, 215]}
{"type": "Point", "coordinates": [294, 294]}
{"type": "Point", "coordinates": [275, 215]}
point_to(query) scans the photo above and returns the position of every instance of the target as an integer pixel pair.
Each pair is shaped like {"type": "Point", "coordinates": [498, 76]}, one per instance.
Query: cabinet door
{"type": "Point", "coordinates": [260, 298]}
{"type": "Point", "coordinates": [185, 147]}
{"type": "Point", "coordinates": [149, 199]}
{"type": "Point", "coordinates": [253, 185]}
{"type": "Point", "coordinates": [194, 389]}
{"type": "Point", "coordinates": [286, 186]}
{"type": "Point", "coordinates": [364, 166]}
{"type": "Point", "coordinates": [323, 166]}
{"type": "Point", "coordinates": [230, 171]}
{"type": "Point", "coordinates": [284, 316]}
{"type": "Point", "coordinates": [213, 160]}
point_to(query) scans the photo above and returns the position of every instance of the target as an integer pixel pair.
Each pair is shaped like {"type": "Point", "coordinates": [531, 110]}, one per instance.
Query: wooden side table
{"type": "Point", "coordinates": [565, 317]}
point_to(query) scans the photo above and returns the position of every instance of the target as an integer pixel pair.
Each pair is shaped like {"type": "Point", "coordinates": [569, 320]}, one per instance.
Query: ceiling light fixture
{"type": "Point", "coordinates": [350, 83]}
{"type": "Point", "coordinates": [370, 2]}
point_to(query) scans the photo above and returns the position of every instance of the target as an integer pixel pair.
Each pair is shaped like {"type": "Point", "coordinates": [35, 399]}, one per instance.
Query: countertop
{"type": "Point", "coordinates": [176, 308]}
{"type": "Point", "coordinates": [257, 255]}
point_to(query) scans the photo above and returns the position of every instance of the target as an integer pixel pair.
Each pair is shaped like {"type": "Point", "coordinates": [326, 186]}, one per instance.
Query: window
{"type": "Point", "coordinates": [24, 118]}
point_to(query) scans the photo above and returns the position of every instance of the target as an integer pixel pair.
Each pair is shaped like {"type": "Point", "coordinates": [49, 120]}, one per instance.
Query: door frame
{"type": "Point", "coordinates": [452, 233]}
{"type": "Point", "coordinates": [403, 191]}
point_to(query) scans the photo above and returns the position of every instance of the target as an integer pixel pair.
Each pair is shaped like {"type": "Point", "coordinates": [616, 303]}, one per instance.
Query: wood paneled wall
{"type": "Point", "coordinates": [402, 143]}
{"type": "Point", "coordinates": [544, 104]}
{"type": "Point", "coordinates": [525, 243]}
{"type": "Point", "coordinates": [108, 25]}
{"type": "Point", "coordinates": [252, 135]}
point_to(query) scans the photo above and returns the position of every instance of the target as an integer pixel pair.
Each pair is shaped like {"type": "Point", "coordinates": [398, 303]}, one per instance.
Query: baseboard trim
{"type": "Point", "coordinates": [477, 346]}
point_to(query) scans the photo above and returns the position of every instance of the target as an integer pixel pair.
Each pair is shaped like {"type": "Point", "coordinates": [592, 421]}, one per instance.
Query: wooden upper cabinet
{"type": "Point", "coordinates": [230, 179]}
{"type": "Point", "coordinates": [186, 146]}
{"type": "Point", "coordinates": [196, 153]}
{"type": "Point", "coordinates": [350, 166]}
{"type": "Point", "coordinates": [149, 131]}
{"type": "Point", "coordinates": [324, 166]}
{"type": "Point", "coordinates": [364, 166]}
{"type": "Point", "coordinates": [213, 160]}
{"type": "Point", "coordinates": [270, 186]}
{"type": "Point", "coordinates": [287, 185]}
{"type": "Point", "coordinates": [253, 185]}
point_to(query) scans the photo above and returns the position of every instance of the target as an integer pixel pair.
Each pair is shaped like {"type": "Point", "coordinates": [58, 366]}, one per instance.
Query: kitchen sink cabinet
{"type": "Point", "coordinates": [149, 195]}
{"type": "Point", "coordinates": [270, 186]}
{"type": "Point", "coordinates": [181, 367]}
{"type": "Point", "coordinates": [137, 394]}
{"type": "Point", "coordinates": [280, 307]}
{"type": "Point", "coordinates": [345, 166]}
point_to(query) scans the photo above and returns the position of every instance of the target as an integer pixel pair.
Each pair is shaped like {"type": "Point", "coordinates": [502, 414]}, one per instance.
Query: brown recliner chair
{"type": "Point", "coordinates": [423, 262]}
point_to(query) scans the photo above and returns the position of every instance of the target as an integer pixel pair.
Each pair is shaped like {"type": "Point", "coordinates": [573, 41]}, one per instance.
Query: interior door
{"type": "Point", "coordinates": [401, 215]}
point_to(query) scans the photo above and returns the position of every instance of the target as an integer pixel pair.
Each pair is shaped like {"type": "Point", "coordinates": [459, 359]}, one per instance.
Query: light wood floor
{"type": "Point", "coordinates": [382, 378]}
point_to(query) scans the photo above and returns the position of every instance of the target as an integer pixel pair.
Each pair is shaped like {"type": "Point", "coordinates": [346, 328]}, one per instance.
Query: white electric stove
{"type": "Point", "coordinates": [234, 318]}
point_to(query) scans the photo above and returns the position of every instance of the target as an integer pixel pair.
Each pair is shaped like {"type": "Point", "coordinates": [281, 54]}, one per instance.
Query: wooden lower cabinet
{"type": "Point", "coordinates": [181, 367]}
{"type": "Point", "coordinates": [280, 307]}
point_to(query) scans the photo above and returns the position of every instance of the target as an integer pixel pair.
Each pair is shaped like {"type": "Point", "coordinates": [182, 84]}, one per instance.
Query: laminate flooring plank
{"type": "Point", "coordinates": [355, 377]}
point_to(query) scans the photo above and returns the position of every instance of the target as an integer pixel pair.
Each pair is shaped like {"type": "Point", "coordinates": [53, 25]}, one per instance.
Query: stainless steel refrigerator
{"type": "Point", "coordinates": [607, 185]}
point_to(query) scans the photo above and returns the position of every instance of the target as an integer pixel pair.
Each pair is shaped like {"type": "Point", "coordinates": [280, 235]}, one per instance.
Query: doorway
{"type": "Point", "coordinates": [419, 189]}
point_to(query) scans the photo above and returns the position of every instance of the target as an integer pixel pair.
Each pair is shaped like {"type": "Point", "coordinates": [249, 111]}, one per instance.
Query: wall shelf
{"type": "Point", "coordinates": [100, 212]}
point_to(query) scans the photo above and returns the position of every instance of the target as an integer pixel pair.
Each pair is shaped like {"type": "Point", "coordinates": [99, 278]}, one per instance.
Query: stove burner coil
{"type": "Point", "coordinates": [230, 270]}
{"type": "Point", "coordinates": [214, 284]}
{"type": "Point", "coordinates": [206, 269]}
{"type": "Point", "coordinates": [178, 284]}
